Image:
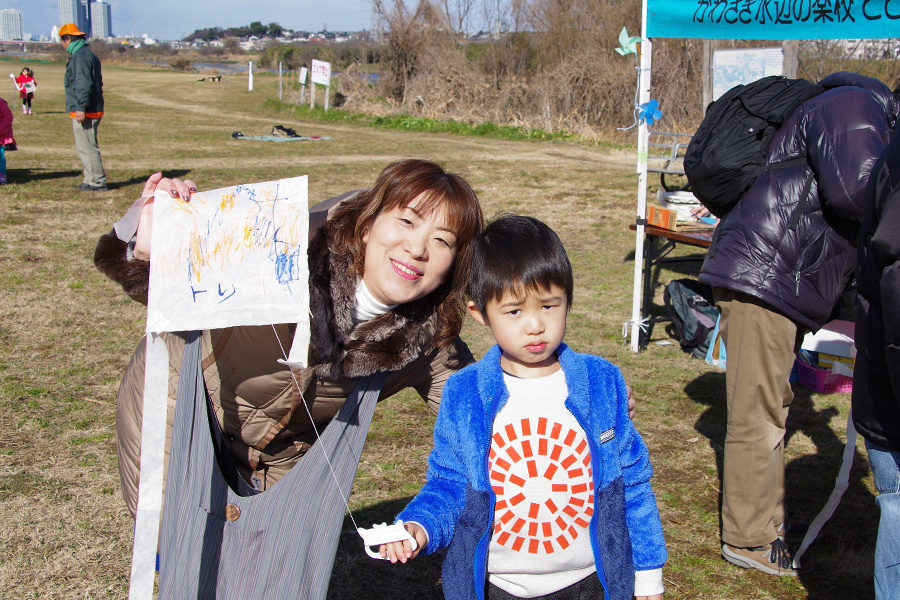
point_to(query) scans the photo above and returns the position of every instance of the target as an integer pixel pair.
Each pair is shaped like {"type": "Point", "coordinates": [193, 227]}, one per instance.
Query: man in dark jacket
{"type": "Point", "coordinates": [876, 378]}
{"type": "Point", "coordinates": [778, 264]}
{"type": "Point", "coordinates": [84, 102]}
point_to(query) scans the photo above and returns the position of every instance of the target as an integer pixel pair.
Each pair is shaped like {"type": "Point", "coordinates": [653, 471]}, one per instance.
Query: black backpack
{"type": "Point", "coordinates": [729, 150]}
{"type": "Point", "coordinates": [694, 315]}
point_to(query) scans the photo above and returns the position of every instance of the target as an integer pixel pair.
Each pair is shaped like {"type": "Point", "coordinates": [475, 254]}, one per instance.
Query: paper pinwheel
{"type": "Point", "coordinates": [650, 112]}
{"type": "Point", "coordinates": [628, 44]}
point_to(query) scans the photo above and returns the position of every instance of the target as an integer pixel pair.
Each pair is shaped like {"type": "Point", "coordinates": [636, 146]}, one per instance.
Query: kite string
{"type": "Point", "coordinates": [316, 430]}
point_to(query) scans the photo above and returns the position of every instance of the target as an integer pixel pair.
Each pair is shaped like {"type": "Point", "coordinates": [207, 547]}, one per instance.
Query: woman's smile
{"type": "Point", "coordinates": [406, 271]}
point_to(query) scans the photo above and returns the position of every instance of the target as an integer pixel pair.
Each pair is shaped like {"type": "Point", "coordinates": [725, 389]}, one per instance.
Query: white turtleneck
{"type": "Point", "coordinates": [367, 307]}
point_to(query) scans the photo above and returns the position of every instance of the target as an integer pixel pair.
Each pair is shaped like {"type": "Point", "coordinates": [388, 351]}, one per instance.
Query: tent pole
{"type": "Point", "coordinates": [643, 97]}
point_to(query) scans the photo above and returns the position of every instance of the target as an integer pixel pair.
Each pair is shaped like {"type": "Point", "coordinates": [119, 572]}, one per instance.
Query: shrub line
{"type": "Point", "coordinates": [407, 122]}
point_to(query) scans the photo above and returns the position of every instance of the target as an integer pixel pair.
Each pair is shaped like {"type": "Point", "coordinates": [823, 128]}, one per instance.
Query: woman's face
{"type": "Point", "coordinates": [408, 254]}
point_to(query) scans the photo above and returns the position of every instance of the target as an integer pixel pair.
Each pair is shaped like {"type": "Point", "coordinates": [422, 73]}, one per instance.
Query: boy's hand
{"type": "Point", "coordinates": [630, 393]}
{"type": "Point", "coordinates": [653, 597]}
{"type": "Point", "coordinates": [403, 551]}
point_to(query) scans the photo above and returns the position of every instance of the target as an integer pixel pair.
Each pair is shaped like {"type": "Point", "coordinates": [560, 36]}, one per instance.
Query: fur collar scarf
{"type": "Point", "coordinates": [387, 342]}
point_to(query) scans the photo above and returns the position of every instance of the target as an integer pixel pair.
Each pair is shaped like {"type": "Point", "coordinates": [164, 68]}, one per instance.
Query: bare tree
{"type": "Point", "coordinates": [407, 35]}
{"type": "Point", "coordinates": [458, 14]}
{"type": "Point", "coordinates": [553, 66]}
{"type": "Point", "coordinates": [877, 58]}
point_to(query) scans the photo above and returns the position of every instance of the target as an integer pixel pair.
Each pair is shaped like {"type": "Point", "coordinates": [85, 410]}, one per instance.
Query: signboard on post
{"type": "Point", "coordinates": [321, 74]}
{"type": "Point", "coordinates": [302, 79]}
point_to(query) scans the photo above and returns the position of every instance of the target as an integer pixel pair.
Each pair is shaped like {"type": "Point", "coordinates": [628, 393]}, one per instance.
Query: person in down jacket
{"type": "Point", "coordinates": [778, 264]}
{"type": "Point", "coordinates": [876, 378]}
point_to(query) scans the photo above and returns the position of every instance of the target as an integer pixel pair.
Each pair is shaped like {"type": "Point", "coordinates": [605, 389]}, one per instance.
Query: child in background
{"type": "Point", "coordinates": [26, 84]}
{"type": "Point", "coordinates": [538, 481]}
{"type": "Point", "coordinates": [7, 141]}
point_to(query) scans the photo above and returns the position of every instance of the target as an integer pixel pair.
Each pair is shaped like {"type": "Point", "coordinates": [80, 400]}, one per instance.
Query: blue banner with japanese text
{"type": "Point", "coordinates": [773, 19]}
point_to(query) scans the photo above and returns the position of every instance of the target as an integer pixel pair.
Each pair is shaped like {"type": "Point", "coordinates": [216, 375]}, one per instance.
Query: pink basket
{"type": "Point", "coordinates": [822, 380]}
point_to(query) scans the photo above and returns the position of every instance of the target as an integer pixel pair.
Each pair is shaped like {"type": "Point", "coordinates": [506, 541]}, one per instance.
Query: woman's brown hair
{"type": "Point", "coordinates": [397, 185]}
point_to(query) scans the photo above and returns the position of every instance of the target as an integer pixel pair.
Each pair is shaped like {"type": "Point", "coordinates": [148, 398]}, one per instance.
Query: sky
{"type": "Point", "coordinates": [174, 19]}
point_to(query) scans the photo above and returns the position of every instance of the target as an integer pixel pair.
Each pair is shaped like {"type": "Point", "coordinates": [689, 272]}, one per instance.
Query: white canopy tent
{"type": "Point", "coordinates": [760, 20]}
{"type": "Point", "coordinates": [743, 20]}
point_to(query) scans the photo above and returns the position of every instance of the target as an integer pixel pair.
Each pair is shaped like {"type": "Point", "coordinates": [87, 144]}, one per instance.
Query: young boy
{"type": "Point", "coordinates": [538, 481]}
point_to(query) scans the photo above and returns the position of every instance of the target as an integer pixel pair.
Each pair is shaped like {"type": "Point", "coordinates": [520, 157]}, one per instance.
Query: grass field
{"type": "Point", "coordinates": [66, 334]}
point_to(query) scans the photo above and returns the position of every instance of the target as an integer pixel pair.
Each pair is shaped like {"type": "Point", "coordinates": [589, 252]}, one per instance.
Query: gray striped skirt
{"type": "Point", "coordinates": [223, 539]}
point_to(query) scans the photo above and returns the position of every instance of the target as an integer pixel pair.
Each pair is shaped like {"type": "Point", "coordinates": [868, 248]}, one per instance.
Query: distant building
{"type": "Point", "coordinates": [101, 20]}
{"type": "Point", "coordinates": [250, 44]}
{"type": "Point", "coordinates": [10, 24]}
{"type": "Point", "coordinates": [75, 11]}
{"type": "Point", "coordinates": [86, 11]}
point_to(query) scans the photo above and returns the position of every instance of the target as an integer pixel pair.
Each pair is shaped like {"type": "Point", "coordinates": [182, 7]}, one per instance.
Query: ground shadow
{"type": "Point", "coordinates": [356, 575]}
{"type": "Point", "coordinates": [140, 179]}
{"type": "Point", "coordinates": [37, 174]}
{"type": "Point", "coordinates": [18, 176]}
{"type": "Point", "coordinates": [845, 549]}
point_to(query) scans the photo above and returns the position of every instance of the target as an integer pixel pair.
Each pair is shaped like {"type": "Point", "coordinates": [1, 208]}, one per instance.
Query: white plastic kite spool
{"type": "Point", "coordinates": [384, 534]}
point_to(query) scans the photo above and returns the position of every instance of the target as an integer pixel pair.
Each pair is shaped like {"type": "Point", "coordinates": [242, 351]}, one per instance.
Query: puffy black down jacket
{"type": "Point", "coordinates": [802, 271]}
{"type": "Point", "coordinates": [876, 378]}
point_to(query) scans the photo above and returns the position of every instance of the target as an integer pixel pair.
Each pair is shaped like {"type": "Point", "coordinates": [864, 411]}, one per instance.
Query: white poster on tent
{"type": "Point", "coordinates": [744, 65]}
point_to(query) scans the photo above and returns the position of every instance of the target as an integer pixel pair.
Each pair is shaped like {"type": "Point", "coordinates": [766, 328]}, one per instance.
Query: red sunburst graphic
{"type": "Point", "coordinates": [541, 473]}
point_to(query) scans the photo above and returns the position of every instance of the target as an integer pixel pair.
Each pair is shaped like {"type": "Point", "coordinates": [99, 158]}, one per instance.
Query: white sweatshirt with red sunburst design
{"type": "Point", "coordinates": [540, 469]}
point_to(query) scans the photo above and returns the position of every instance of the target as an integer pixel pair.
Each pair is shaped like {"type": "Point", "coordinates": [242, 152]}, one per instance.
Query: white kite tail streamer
{"type": "Point", "coordinates": [378, 534]}
{"type": "Point", "coordinates": [840, 486]}
{"type": "Point", "coordinates": [150, 486]}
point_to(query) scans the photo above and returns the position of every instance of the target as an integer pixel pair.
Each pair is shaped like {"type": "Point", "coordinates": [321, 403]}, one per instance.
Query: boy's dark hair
{"type": "Point", "coordinates": [518, 255]}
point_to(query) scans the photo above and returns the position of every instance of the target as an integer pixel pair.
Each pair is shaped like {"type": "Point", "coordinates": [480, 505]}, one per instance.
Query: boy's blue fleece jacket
{"type": "Point", "coordinates": [456, 505]}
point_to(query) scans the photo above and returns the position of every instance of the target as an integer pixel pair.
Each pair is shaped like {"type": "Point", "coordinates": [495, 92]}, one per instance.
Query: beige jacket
{"type": "Point", "coordinates": [255, 398]}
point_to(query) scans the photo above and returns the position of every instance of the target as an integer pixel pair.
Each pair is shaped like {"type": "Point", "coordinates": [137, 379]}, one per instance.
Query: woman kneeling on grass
{"type": "Point", "coordinates": [388, 270]}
